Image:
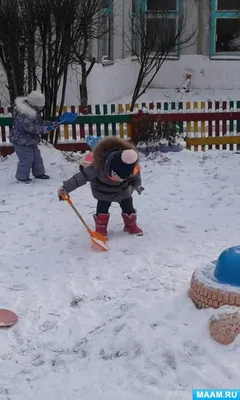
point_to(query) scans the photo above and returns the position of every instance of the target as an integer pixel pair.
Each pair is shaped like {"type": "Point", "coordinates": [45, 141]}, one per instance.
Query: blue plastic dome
{"type": "Point", "coordinates": [227, 268]}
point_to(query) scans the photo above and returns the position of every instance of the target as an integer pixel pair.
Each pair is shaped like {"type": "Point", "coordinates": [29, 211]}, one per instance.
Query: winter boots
{"type": "Point", "coordinates": [101, 223]}
{"type": "Point", "coordinates": [130, 225]}
{"type": "Point", "coordinates": [43, 176]}
{"type": "Point", "coordinates": [29, 180]}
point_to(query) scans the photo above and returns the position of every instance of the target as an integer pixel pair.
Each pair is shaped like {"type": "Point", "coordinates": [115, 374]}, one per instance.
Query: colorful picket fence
{"type": "Point", "coordinates": [161, 106]}
{"type": "Point", "coordinates": [166, 106]}
{"type": "Point", "coordinates": [72, 137]}
{"type": "Point", "coordinates": [218, 130]}
{"type": "Point", "coordinates": [214, 127]}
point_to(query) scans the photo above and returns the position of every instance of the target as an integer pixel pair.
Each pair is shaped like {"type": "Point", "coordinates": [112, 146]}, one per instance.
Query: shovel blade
{"type": "Point", "coordinates": [99, 243]}
{"type": "Point", "coordinates": [99, 240]}
{"type": "Point", "coordinates": [98, 236]}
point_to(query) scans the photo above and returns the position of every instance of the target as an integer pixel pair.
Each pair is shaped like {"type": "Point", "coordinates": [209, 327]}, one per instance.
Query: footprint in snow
{"type": "Point", "coordinates": [18, 288]}
{"type": "Point", "coordinates": [58, 363]}
{"type": "Point", "coordinates": [77, 300]}
{"type": "Point", "coordinates": [47, 326]}
{"type": "Point", "coordinates": [170, 359]}
{"type": "Point", "coordinates": [118, 329]}
{"type": "Point", "coordinates": [38, 361]}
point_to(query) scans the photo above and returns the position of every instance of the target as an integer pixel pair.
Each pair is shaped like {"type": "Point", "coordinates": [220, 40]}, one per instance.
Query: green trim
{"type": "Point", "coordinates": [85, 119]}
{"type": "Point", "coordinates": [6, 121]}
{"type": "Point", "coordinates": [215, 14]}
{"type": "Point", "coordinates": [109, 9]}
{"type": "Point", "coordinates": [103, 119]}
{"type": "Point", "coordinates": [179, 5]}
{"type": "Point", "coordinates": [212, 29]}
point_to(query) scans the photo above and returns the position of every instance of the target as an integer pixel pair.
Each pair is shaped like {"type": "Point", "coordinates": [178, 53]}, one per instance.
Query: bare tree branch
{"type": "Point", "coordinates": [89, 27]}
{"type": "Point", "coordinates": [154, 36]}
{"type": "Point", "coordinates": [40, 39]}
{"type": "Point", "coordinates": [12, 48]}
{"type": "Point", "coordinates": [56, 24]}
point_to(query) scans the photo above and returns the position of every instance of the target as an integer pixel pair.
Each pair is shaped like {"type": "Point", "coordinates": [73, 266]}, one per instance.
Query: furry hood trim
{"type": "Point", "coordinates": [24, 108]}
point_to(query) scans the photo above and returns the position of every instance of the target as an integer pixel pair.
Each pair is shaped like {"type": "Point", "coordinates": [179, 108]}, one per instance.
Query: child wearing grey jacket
{"type": "Point", "coordinates": [113, 176]}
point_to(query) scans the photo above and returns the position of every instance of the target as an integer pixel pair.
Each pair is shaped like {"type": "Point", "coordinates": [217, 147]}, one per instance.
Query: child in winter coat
{"type": "Point", "coordinates": [26, 134]}
{"type": "Point", "coordinates": [113, 176]}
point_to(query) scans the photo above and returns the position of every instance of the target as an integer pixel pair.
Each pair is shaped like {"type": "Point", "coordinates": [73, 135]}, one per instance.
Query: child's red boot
{"type": "Point", "coordinates": [130, 225]}
{"type": "Point", "coordinates": [101, 223]}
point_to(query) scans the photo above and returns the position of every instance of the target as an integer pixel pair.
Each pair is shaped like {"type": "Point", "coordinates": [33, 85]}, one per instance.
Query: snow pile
{"type": "Point", "coordinates": [115, 325]}
{"type": "Point", "coordinates": [175, 95]}
{"type": "Point", "coordinates": [218, 313]}
{"type": "Point", "coordinates": [205, 274]}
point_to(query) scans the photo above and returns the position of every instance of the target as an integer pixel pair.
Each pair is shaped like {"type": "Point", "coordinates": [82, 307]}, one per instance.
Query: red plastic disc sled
{"type": "Point", "coordinates": [7, 318]}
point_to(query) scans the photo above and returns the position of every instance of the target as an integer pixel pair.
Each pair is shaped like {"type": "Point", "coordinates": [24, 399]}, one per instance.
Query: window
{"type": "Point", "coordinates": [228, 5]}
{"type": "Point", "coordinates": [225, 28]}
{"type": "Point", "coordinates": [162, 20]}
{"type": "Point", "coordinates": [135, 22]}
{"type": "Point", "coordinates": [163, 29]}
{"type": "Point", "coordinates": [162, 5]}
{"type": "Point", "coordinates": [106, 27]}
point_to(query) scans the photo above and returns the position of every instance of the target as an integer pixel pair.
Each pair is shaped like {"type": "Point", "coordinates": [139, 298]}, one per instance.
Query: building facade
{"type": "Point", "coordinates": [213, 59]}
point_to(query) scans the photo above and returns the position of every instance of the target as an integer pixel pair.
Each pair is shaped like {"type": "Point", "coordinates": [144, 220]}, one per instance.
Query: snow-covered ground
{"type": "Point", "coordinates": [115, 325]}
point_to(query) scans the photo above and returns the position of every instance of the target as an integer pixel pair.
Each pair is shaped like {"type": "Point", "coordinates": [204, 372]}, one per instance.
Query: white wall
{"type": "Point", "coordinates": [105, 83]}
{"type": "Point", "coordinates": [122, 28]}
{"type": "Point", "coordinates": [206, 73]}
{"type": "Point", "coordinates": [110, 82]}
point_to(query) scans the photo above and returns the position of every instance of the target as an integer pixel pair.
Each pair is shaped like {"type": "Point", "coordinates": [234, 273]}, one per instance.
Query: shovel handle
{"type": "Point", "coordinates": [96, 237]}
{"type": "Point", "coordinates": [66, 197]}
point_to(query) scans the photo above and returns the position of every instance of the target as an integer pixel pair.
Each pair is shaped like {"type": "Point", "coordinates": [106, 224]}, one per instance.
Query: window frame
{"type": "Point", "coordinates": [174, 14]}
{"type": "Point", "coordinates": [220, 14]}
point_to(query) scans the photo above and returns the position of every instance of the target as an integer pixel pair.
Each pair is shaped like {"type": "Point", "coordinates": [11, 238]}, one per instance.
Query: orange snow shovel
{"type": "Point", "coordinates": [97, 238]}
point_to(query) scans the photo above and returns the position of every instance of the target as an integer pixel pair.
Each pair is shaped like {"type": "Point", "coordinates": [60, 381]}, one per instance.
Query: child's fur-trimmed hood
{"type": "Point", "coordinates": [109, 144]}
{"type": "Point", "coordinates": [24, 108]}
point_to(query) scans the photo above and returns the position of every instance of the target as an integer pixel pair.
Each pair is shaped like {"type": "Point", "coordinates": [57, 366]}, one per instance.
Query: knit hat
{"type": "Point", "coordinates": [36, 99]}
{"type": "Point", "coordinates": [123, 163]}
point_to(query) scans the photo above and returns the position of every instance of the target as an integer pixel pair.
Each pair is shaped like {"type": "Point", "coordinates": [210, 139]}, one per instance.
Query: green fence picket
{"type": "Point", "coordinates": [98, 126]}
{"type": "Point", "coordinates": [114, 130]}
{"type": "Point", "coordinates": [106, 129]}
{"type": "Point", "coordinates": [174, 124]}
{"type": "Point", "coordinates": [238, 121]}
{"type": "Point", "coordinates": [180, 124]}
